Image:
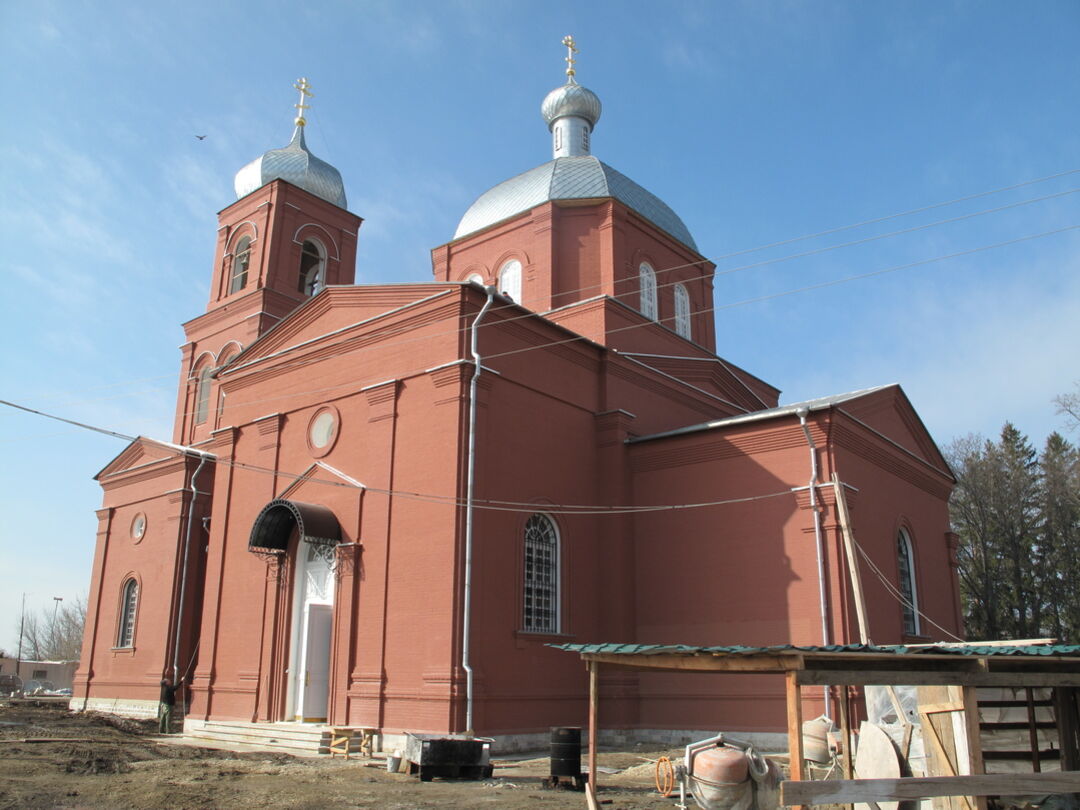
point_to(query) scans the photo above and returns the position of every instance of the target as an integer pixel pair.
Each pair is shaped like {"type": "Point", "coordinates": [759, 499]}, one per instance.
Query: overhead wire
{"type": "Point", "coordinates": [444, 500]}
{"type": "Point", "coordinates": [791, 240]}
{"type": "Point", "coordinates": [565, 510]}
{"type": "Point", "coordinates": [895, 592]}
{"type": "Point", "coordinates": [406, 327]}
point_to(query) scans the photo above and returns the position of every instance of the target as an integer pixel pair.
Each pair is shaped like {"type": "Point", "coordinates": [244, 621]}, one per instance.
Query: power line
{"type": "Point", "coordinates": [444, 500]}
{"type": "Point", "coordinates": [405, 328]}
{"type": "Point", "coordinates": [895, 592]}
{"type": "Point", "coordinates": [393, 333]}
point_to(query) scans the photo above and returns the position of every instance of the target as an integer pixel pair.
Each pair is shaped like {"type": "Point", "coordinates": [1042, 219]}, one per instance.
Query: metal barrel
{"type": "Point", "coordinates": [566, 751]}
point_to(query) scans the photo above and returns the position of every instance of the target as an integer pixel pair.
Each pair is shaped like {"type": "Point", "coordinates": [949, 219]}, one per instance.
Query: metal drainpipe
{"type": "Point", "coordinates": [802, 413]}
{"type": "Point", "coordinates": [183, 574]}
{"type": "Point", "coordinates": [466, 624]}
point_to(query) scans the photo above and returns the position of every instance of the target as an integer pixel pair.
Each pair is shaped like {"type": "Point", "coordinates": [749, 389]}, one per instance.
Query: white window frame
{"type": "Point", "coordinates": [909, 613]}
{"type": "Point", "coordinates": [647, 281]}
{"type": "Point", "coordinates": [510, 280]}
{"type": "Point", "coordinates": [541, 581]}
{"type": "Point", "coordinates": [129, 605]}
{"type": "Point", "coordinates": [202, 394]}
{"type": "Point", "coordinates": [682, 311]}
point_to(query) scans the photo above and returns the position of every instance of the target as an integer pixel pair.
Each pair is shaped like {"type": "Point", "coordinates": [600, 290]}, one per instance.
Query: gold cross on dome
{"type": "Point", "coordinates": [305, 91]}
{"type": "Point", "coordinates": [571, 49]}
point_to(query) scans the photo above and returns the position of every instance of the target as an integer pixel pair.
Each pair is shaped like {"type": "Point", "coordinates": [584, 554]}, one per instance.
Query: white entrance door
{"type": "Point", "coordinates": [317, 663]}
{"type": "Point", "coordinates": [309, 671]}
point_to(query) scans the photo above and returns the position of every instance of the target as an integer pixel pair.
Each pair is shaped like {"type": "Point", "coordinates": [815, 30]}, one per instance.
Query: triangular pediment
{"type": "Point", "coordinates": [140, 453]}
{"type": "Point", "coordinates": [313, 481]}
{"type": "Point", "coordinates": [888, 411]}
{"type": "Point", "coordinates": [337, 310]}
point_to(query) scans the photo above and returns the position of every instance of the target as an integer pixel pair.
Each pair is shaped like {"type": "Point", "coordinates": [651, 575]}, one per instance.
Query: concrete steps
{"type": "Point", "coordinates": [292, 738]}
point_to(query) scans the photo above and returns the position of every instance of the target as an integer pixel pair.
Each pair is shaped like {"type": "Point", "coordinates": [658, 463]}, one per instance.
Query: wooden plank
{"type": "Point", "coordinates": [874, 790]}
{"type": "Point", "coordinates": [852, 560]}
{"type": "Point", "coordinates": [794, 727]}
{"type": "Point", "coordinates": [845, 733]}
{"type": "Point", "coordinates": [703, 662]}
{"type": "Point", "coordinates": [971, 725]}
{"type": "Point", "coordinates": [812, 677]}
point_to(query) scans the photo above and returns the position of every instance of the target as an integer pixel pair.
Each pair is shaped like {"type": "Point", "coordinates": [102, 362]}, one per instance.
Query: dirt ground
{"type": "Point", "coordinates": [89, 760]}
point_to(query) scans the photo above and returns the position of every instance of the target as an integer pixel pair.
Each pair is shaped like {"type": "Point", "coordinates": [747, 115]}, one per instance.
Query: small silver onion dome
{"type": "Point", "coordinates": [571, 100]}
{"type": "Point", "coordinates": [294, 164]}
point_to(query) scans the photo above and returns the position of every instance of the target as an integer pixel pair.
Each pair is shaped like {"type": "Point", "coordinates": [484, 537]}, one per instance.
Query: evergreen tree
{"type": "Point", "coordinates": [1018, 517]}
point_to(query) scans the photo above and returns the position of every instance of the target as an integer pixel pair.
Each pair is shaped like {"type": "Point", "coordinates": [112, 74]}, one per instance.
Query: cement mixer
{"type": "Point", "coordinates": [722, 774]}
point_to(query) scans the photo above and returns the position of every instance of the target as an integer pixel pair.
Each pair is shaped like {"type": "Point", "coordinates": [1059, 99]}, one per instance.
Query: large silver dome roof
{"type": "Point", "coordinates": [569, 178]}
{"type": "Point", "coordinates": [571, 99]}
{"type": "Point", "coordinates": [294, 164]}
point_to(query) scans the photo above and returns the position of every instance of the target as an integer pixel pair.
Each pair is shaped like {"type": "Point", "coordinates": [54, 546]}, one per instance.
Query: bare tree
{"type": "Point", "coordinates": [54, 634]}
{"type": "Point", "coordinates": [1068, 405]}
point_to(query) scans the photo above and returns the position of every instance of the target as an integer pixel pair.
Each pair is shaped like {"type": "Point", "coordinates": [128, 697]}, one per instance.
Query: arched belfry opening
{"type": "Point", "coordinates": [304, 537]}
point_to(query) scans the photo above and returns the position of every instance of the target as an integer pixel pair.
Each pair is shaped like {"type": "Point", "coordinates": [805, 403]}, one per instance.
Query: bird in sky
{"type": "Point", "coordinates": [201, 137]}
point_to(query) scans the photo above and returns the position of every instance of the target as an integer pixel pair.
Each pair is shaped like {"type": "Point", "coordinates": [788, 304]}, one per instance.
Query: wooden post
{"type": "Point", "coordinates": [794, 728]}
{"type": "Point", "coordinates": [852, 560]}
{"type": "Point", "coordinates": [971, 722]}
{"type": "Point", "coordinates": [594, 698]}
{"type": "Point", "coordinates": [845, 732]}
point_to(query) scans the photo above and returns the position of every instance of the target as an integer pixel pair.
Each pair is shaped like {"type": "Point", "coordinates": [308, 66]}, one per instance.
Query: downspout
{"type": "Point", "coordinates": [466, 625]}
{"type": "Point", "coordinates": [203, 458]}
{"type": "Point", "coordinates": [802, 413]}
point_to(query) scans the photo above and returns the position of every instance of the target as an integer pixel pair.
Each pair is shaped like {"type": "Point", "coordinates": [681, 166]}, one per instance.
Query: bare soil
{"type": "Point", "coordinates": [53, 758]}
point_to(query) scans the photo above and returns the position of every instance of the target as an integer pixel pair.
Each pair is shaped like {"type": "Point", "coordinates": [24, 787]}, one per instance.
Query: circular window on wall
{"type": "Point", "coordinates": [138, 527]}
{"type": "Point", "coordinates": [323, 430]}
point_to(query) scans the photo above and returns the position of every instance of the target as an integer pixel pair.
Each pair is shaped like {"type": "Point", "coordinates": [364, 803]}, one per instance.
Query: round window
{"type": "Point", "coordinates": [323, 430]}
{"type": "Point", "coordinates": [138, 527]}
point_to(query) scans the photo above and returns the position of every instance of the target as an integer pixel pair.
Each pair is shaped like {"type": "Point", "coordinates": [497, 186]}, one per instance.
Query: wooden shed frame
{"type": "Point", "coordinates": [960, 665]}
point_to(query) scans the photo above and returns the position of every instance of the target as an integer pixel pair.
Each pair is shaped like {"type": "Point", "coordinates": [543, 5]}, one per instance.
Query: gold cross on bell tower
{"type": "Point", "coordinates": [305, 92]}
{"type": "Point", "coordinates": [571, 49]}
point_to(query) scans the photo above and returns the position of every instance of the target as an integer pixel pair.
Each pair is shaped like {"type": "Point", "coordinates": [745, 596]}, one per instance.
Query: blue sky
{"type": "Point", "coordinates": [756, 121]}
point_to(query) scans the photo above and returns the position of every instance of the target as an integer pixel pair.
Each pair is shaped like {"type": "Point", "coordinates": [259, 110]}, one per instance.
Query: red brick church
{"type": "Point", "coordinates": [382, 503]}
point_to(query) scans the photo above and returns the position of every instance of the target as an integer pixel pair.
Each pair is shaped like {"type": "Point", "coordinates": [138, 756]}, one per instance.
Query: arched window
{"type": "Point", "coordinates": [510, 280]}
{"type": "Point", "coordinates": [312, 268]}
{"type": "Point", "coordinates": [905, 558]}
{"type": "Point", "coordinates": [647, 280]}
{"type": "Point", "coordinates": [241, 260]}
{"type": "Point", "coordinates": [202, 394]}
{"type": "Point", "coordinates": [475, 278]}
{"type": "Point", "coordinates": [129, 600]}
{"type": "Point", "coordinates": [682, 311]}
{"type": "Point", "coordinates": [541, 593]}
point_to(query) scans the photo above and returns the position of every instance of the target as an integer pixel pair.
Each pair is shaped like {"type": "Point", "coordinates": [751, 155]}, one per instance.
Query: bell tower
{"type": "Point", "coordinates": [287, 236]}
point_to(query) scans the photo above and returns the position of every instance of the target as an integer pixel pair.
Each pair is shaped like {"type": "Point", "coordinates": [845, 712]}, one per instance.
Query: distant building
{"type": "Point", "coordinates": [600, 475]}
{"type": "Point", "coordinates": [59, 673]}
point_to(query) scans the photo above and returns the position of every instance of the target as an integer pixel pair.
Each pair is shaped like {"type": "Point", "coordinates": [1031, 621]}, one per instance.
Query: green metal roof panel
{"type": "Point", "coordinates": [897, 649]}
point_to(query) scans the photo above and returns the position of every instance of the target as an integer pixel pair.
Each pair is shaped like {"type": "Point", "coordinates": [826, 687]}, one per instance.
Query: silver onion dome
{"type": "Point", "coordinates": [571, 100]}
{"type": "Point", "coordinates": [294, 164]}
{"type": "Point", "coordinates": [569, 178]}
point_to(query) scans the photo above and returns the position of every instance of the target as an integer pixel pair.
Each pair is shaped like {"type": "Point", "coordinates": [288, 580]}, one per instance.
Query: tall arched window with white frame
{"type": "Point", "coordinates": [312, 268]}
{"type": "Point", "coordinates": [647, 281]}
{"type": "Point", "coordinates": [241, 261]}
{"type": "Point", "coordinates": [682, 311]}
{"type": "Point", "coordinates": [905, 558]}
{"type": "Point", "coordinates": [202, 394]}
{"type": "Point", "coordinates": [540, 612]}
{"type": "Point", "coordinates": [129, 600]}
{"type": "Point", "coordinates": [510, 280]}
